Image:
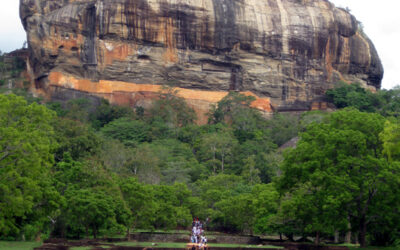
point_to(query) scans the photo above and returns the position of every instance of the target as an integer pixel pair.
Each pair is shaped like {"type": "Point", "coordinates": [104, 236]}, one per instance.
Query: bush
{"type": "Point", "coordinates": [353, 95]}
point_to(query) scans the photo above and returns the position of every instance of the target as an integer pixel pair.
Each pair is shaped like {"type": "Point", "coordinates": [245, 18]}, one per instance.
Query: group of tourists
{"type": "Point", "coordinates": [197, 236]}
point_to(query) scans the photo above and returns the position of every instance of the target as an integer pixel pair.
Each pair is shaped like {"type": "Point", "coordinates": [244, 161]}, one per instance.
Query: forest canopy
{"type": "Point", "coordinates": [157, 169]}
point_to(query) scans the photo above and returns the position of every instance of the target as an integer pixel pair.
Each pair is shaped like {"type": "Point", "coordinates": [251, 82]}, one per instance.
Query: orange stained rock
{"type": "Point", "coordinates": [328, 60]}
{"type": "Point", "coordinates": [58, 40]}
{"type": "Point", "coordinates": [109, 88]}
{"type": "Point", "coordinates": [171, 54]}
{"type": "Point", "coordinates": [115, 51]}
{"type": "Point", "coordinates": [263, 104]}
{"type": "Point", "coordinates": [319, 106]}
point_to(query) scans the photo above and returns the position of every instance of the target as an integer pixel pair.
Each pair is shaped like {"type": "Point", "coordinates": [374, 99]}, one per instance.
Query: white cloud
{"type": "Point", "coordinates": [11, 31]}
{"type": "Point", "coordinates": [381, 22]}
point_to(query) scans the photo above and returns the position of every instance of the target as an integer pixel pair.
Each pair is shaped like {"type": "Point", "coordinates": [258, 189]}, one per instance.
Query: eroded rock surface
{"type": "Point", "coordinates": [285, 52]}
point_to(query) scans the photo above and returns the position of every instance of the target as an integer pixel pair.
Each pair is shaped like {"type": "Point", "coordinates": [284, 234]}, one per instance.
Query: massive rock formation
{"type": "Point", "coordinates": [287, 53]}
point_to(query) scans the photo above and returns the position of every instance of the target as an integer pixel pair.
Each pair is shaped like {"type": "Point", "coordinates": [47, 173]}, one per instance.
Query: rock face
{"type": "Point", "coordinates": [287, 53]}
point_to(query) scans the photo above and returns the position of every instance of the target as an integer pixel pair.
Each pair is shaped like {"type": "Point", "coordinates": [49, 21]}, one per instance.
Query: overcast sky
{"type": "Point", "coordinates": [381, 20]}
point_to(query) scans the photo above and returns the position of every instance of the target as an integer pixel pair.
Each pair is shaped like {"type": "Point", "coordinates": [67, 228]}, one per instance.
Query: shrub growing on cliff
{"type": "Point", "coordinates": [172, 109]}
{"type": "Point", "coordinates": [234, 110]}
{"type": "Point", "coordinates": [353, 95]}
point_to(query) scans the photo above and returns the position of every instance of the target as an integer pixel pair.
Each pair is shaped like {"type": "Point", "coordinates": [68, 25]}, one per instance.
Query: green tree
{"type": "Point", "coordinates": [390, 100]}
{"type": "Point", "coordinates": [283, 127]}
{"type": "Point", "coordinates": [90, 209]}
{"type": "Point", "coordinates": [157, 206]}
{"type": "Point", "coordinates": [216, 193]}
{"type": "Point", "coordinates": [232, 104]}
{"type": "Point", "coordinates": [172, 208]}
{"type": "Point", "coordinates": [236, 213]}
{"type": "Point", "coordinates": [146, 164]}
{"type": "Point", "coordinates": [26, 147]}
{"type": "Point", "coordinates": [177, 161]}
{"type": "Point", "coordinates": [140, 200]}
{"type": "Point", "coordinates": [341, 164]}
{"type": "Point", "coordinates": [391, 140]}
{"type": "Point", "coordinates": [353, 95]}
{"type": "Point", "coordinates": [130, 132]}
{"type": "Point", "coordinates": [172, 109]}
{"type": "Point", "coordinates": [76, 138]}
{"type": "Point", "coordinates": [106, 113]}
{"type": "Point", "coordinates": [217, 149]}
{"type": "Point", "coordinates": [88, 186]}
{"type": "Point", "coordinates": [385, 228]}
{"type": "Point", "coordinates": [265, 205]}
{"type": "Point", "coordinates": [78, 109]}
{"type": "Point", "coordinates": [250, 172]}
{"type": "Point", "coordinates": [265, 158]}
{"type": "Point", "coordinates": [235, 110]}
{"type": "Point", "coordinates": [117, 157]}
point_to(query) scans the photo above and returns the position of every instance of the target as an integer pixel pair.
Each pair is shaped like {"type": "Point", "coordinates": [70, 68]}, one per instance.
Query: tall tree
{"type": "Point", "coordinates": [172, 109]}
{"type": "Point", "coordinates": [88, 186]}
{"type": "Point", "coordinates": [128, 131]}
{"type": "Point", "coordinates": [217, 148]}
{"type": "Point", "coordinates": [341, 161]}
{"type": "Point", "coordinates": [26, 147]}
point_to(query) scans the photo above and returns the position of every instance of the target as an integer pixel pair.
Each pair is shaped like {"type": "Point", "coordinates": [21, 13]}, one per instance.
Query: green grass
{"type": "Point", "coordinates": [87, 248]}
{"type": "Point", "coordinates": [357, 247]}
{"type": "Point", "coordinates": [81, 248]}
{"type": "Point", "coordinates": [243, 246]}
{"type": "Point", "coordinates": [18, 245]}
{"type": "Point", "coordinates": [183, 245]}
{"type": "Point", "coordinates": [161, 231]}
{"type": "Point", "coordinates": [187, 231]}
{"type": "Point", "coordinates": [373, 248]}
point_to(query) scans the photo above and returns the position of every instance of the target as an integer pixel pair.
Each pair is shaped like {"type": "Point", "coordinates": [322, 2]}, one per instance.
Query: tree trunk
{"type": "Point", "coordinates": [38, 237]}
{"type": "Point", "coordinates": [128, 234]}
{"type": "Point", "coordinates": [336, 237]}
{"type": "Point", "coordinates": [87, 232]}
{"type": "Point", "coordinates": [214, 160]}
{"type": "Point", "coordinates": [222, 163]}
{"type": "Point", "coordinates": [94, 232]}
{"type": "Point", "coordinates": [317, 238]}
{"type": "Point", "coordinates": [290, 236]}
{"type": "Point", "coordinates": [63, 231]}
{"type": "Point", "coordinates": [348, 233]}
{"type": "Point", "coordinates": [363, 232]}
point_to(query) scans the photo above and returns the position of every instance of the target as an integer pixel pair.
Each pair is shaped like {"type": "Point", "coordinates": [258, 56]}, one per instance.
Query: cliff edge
{"type": "Point", "coordinates": [287, 53]}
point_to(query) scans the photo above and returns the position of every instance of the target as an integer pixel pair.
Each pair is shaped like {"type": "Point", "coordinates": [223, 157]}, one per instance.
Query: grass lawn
{"type": "Point", "coordinates": [243, 246]}
{"type": "Point", "coordinates": [374, 248]}
{"type": "Point", "coordinates": [183, 245]}
{"type": "Point", "coordinates": [18, 245]}
{"type": "Point", "coordinates": [87, 248]}
{"type": "Point", "coordinates": [357, 247]}
{"type": "Point", "coordinates": [161, 231]}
